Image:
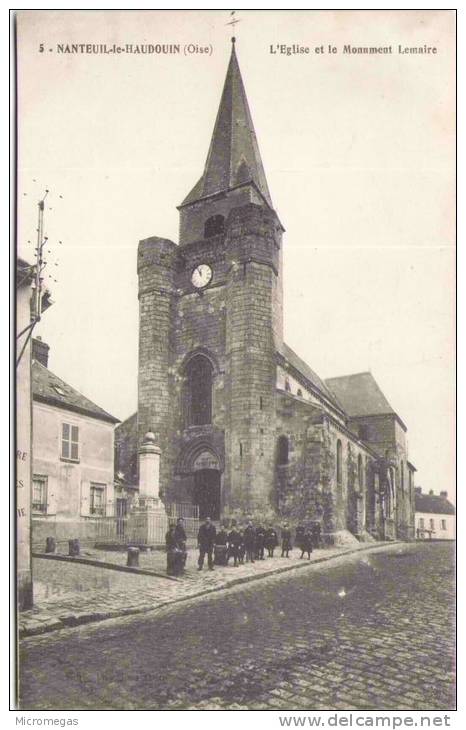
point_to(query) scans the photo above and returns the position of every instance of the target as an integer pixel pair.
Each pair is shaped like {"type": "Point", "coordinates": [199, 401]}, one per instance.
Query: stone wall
{"type": "Point", "coordinates": [307, 487]}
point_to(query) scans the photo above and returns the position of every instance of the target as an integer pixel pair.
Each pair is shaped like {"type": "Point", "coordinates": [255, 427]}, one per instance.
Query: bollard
{"type": "Point", "coordinates": [73, 547]}
{"type": "Point", "coordinates": [50, 545]}
{"type": "Point", "coordinates": [133, 557]}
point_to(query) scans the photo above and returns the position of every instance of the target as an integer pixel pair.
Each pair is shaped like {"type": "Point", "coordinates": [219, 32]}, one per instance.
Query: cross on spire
{"type": "Point", "coordinates": [234, 20]}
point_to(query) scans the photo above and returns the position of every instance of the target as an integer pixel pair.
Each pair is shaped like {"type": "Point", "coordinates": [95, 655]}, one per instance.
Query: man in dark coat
{"type": "Point", "coordinates": [206, 542]}
{"type": "Point", "coordinates": [271, 540]}
{"type": "Point", "coordinates": [299, 536]}
{"type": "Point", "coordinates": [175, 560]}
{"type": "Point", "coordinates": [286, 540]}
{"type": "Point", "coordinates": [306, 543]}
{"type": "Point", "coordinates": [249, 538]}
{"type": "Point", "coordinates": [220, 550]}
{"type": "Point", "coordinates": [315, 530]}
{"type": "Point", "coordinates": [259, 542]}
{"type": "Point", "coordinates": [241, 548]}
{"type": "Point", "coordinates": [234, 542]}
{"type": "Point", "coordinates": [180, 536]}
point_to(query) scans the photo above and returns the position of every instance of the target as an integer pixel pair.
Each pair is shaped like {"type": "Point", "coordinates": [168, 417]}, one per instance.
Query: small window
{"type": "Point", "coordinates": [70, 442]}
{"type": "Point", "coordinates": [339, 463]}
{"type": "Point", "coordinates": [283, 450]}
{"type": "Point", "coordinates": [39, 494]}
{"type": "Point", "coordinates": [402, 476]}
{"type": "Point", "coordinates": [432, 524]}
{"type": "Point", "coordinates": [97, 499]}
{"type": "Point", "coordinates": [59, 390]}
{"type": "Point", "coordinates": [300, 393]}
{"type": "Point", "coordinates": [287, 385]}
{"type": "Point", "coordinates": [214, 226]}
{"type": "Point", "coordinates": [362, 432]}
{"type": "Point", "coordinates": [443, 524]}
{"type": "Point", "coordinates": [261, 403]}
{"type": "Point", "coordinates": [360, 472]}
{"type": "Point", "coordinates": [421, 522]}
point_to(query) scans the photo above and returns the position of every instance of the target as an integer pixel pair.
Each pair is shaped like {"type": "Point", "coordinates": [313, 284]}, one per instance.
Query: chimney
{"type": "Point", "coordinates": [418, 490]}
{"type": "Point", "coordinates": [444, 495]}
{"type": "Point", "coordinates": [40, 351]}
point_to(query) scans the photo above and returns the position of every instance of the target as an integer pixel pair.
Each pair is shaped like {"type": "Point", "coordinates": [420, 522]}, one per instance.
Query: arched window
{"type": "Point", "coordinates": [199, 391]}
{"type": "Point", "coordinates": [283, 449]}
{"type": "Point", "coordinates": [360, 473]}
{"type": "Point", "coordinates": [214, 226]}
{"type": "Point", "coordinates": [287, 385]}
{"type": "Point", "coordinates": [339, 463]}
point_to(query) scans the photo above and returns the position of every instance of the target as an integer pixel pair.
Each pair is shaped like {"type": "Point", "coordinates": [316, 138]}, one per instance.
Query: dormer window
{"type": "Point", "coordinates": [214, 226]}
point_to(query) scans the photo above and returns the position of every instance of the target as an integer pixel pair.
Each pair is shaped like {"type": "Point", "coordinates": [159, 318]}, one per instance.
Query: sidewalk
{"type": "Point", "coordinates": [67, 593]}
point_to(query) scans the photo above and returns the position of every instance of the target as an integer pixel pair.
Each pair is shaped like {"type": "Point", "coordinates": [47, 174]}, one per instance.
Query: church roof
{"type": "Point", "coordinates": [433, 504]}
{"type": "Point", "coordinates": [359, 395]}
{"type": "Point", "coordinates": [234, 158]}
{"type": "Point", "coordinates": [49, 388]}
{"type": "Point", "coordinates": [298, 364]}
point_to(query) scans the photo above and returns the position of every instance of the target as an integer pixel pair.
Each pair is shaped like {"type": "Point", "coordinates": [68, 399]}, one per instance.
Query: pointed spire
{"type": "Point", "coordinates": [234, 158]}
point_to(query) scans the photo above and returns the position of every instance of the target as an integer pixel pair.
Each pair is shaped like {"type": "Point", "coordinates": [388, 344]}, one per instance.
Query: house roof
{"type": "Point", "coordinates": [433, 504]}
{"type": "Point", "coordinates": [49, 388]}
{"type": "Point", "coordinates": [298, 364]}
{"type": "Point", "coordinates": [359, 395]}
{"type": "Point", "coordinates": [234, 158]}
{"type": "Point", "coordinates": [25, 272]}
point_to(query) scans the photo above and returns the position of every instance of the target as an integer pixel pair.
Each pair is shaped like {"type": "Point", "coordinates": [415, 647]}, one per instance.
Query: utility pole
{"type": "Point", "coordinates": [39, 302]}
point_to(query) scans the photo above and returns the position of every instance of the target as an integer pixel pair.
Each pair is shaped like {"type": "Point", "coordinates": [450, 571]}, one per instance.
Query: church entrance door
{"type": "Point", "coordinates": [207, 493]}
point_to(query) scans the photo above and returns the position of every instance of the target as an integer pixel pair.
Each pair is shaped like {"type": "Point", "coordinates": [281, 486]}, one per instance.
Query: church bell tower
{"type": "Point", "coordinates": [211, 326]}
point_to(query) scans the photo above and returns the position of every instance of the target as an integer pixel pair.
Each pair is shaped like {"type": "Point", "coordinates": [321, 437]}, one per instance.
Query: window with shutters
{"type": "Point", "coordinates": [69, 442]}
{"type": "Point", "coordinates": [39, 494]}
{"type": "Point", "coordinates": [97, 499]}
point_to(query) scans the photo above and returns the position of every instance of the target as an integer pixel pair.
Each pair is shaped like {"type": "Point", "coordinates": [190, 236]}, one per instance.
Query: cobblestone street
{"type": "Point", "coordinates": [372, 630]}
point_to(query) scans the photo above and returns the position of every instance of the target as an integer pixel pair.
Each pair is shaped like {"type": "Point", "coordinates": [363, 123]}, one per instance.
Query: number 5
{"type": "Point", "coordinates": [41, 48]}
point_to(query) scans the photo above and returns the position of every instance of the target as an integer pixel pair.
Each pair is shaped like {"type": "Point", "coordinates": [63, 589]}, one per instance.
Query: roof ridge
{"type": "Point", "coordinates": [351, 375]}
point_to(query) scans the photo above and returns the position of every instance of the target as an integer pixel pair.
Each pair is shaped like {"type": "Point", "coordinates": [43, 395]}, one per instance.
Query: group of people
{"type": "Point", "coordinates": [242, 544]}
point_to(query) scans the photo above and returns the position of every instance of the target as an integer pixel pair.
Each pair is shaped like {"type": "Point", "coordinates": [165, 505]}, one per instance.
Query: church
{"type": "Point", "coordinates": [245, 427]}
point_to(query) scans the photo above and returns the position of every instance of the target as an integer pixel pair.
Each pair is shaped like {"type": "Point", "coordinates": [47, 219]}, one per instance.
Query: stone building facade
{"type": "Point", "coordinates": [246, 427]}
{"type": "Point", "coordinates": [73, 486]}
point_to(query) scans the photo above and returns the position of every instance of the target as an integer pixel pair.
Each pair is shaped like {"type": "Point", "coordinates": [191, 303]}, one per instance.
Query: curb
{"type": "Point", "coordinates": [103, 564]}
{"type": "Point", "coordinates": [80, 619]}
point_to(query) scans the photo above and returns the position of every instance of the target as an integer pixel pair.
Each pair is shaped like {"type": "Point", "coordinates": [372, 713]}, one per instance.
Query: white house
{"type": "Point", "coordinates": [434, 517]}
{"type": "Point", "coordinates": [73, 458]}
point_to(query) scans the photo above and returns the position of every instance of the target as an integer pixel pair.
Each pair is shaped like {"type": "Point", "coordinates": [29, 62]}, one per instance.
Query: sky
{"type": "Point", "coordinates": [359, 154]}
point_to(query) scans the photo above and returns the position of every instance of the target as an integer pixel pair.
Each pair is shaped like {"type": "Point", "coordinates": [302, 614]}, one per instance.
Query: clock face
{"type": "Point", "coordinates": [201, 276]}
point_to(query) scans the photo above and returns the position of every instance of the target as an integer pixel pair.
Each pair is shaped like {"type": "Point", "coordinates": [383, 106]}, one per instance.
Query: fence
{"type": "Point", "coordinates": [186, 510]}
{"type": "Point", "coordinates": [146, 528]}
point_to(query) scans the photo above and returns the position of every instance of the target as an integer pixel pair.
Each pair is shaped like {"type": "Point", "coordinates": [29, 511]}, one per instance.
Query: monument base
{"type": "Point", "coordinates": [147, 523]}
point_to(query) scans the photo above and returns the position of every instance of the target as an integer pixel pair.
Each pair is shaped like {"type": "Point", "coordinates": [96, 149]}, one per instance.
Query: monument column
{"type": "Point", "coordinates": [148, 521]}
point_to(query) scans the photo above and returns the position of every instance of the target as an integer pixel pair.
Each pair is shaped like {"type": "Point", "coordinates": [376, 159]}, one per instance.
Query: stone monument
{"type": "Point", "coordinates": [148, 521]}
